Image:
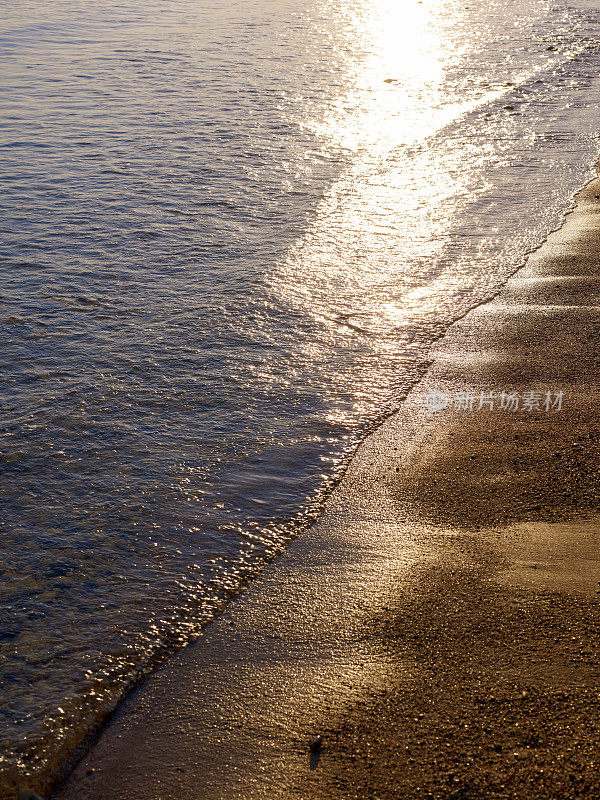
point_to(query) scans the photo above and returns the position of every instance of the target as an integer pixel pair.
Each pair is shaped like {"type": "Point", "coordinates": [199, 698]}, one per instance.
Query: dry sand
{"type": "Point", "coordinates": [439, 626]}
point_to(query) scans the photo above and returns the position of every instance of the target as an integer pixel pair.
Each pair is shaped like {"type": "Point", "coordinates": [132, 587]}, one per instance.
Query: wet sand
{"type": "Point", "coordinates": [439, 626]}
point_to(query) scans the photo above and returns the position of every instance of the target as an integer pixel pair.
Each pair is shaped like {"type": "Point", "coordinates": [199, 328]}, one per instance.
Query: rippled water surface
{"type": "Point", "coordinates": [230, 232]}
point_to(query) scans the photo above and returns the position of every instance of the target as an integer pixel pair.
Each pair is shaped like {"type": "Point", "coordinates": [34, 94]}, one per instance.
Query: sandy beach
{"type": "Point", "coordinates": [439, 626]}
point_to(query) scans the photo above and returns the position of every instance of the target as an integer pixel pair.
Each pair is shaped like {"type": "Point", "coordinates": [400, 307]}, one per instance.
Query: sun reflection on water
{"type": "Point", "coordinates": [403, 50]}
{"type": "Point", "coordinates": [382, 259]}
{"type": "Point", "coordinates": [396, 199]}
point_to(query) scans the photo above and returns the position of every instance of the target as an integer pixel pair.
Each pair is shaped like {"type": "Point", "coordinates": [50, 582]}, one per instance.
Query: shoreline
{"type": "Point", "coordinates": [336, 634]}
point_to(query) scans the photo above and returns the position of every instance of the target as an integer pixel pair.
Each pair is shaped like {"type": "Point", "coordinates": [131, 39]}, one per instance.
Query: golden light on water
{"type": "Point", "coordinates": [383, 263]}
{"type": "Point", "coordinates": [407, 43]}
{"type": "Point", "coordinates": [394, 202]}
{"type": "Point", "coordinates": [397, 53]}
{"type": "Point", "coordinates": [373, 258]}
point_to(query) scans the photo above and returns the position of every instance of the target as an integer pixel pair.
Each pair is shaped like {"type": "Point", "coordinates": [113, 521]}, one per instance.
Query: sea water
{"type": "Point", "coordinates": [230, 232]}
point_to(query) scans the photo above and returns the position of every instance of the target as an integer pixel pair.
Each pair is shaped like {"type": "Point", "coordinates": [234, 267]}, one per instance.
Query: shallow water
{"type": "Point", "coordinates": [230, 233]}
